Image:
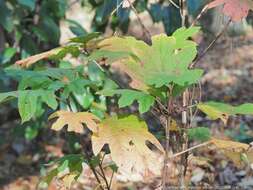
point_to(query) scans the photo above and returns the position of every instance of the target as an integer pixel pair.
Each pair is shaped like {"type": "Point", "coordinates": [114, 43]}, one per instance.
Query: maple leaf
{"type": "Point", "coordinates": [74, 121]}
{"type": "Point", "coordinates": [235, 9]}
{"type": "Point", "coordinates": [217, 110]}
{"type": "Point", "coordinates": [127, 139]}
{"type": "Point", "coordinates": [165, 61]}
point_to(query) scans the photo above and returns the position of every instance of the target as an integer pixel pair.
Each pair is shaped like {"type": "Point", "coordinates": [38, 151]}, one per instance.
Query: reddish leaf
{"type": "Point", "coordinates": [235, 9]}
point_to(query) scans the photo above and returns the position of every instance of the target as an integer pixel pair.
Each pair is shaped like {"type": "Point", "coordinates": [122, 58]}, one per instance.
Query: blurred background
{"type": "Point", "coordinates": [28, 27]}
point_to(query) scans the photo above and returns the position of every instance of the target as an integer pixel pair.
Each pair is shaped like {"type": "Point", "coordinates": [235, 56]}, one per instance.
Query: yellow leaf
{"type": "Point", "coordinates": [173, 125]}
{"type": "Point", "coordinates": [214, 113]}
{"type": "Point", "coordinates": [74, 121]}
{"type": "Point", "coordinates": [68, 179]}
{"type": "Point", "coordinates": [127, 139]}
{"type": "Point", "coordinates": [30, 60]}
{"type": "Point", "coordinates": [234, 150]}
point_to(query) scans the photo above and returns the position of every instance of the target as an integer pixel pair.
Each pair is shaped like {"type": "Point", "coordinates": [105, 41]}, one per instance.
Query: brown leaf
{"type": "Point", "coordinates": [35, 58]}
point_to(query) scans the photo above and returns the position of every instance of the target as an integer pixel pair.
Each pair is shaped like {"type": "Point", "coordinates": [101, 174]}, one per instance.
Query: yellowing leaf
{"type": "Point", "coordinates": [69, 179]}
{"type": "Point", "coordinates": [33, 59]}
{"type": "Point", "coordinates": [74, 121]}
{"type": "Point", "coordinates": [235, 151]}
{"type": "Point", "coordinates": [127, 139]}
{"type": "Point", "coordinates": [165, 61]}
{"type": "Point", "coordinates": [213, 113]}
{"type": "Point", "coordinates": [216, 110]}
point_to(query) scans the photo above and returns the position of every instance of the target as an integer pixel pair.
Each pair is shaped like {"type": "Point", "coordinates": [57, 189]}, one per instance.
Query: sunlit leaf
{"type": "Point", "coordinates": [216, 110]}
{"type": "Point", "coordinates": [74, 121]}
{"type": "Point", "coordinates": [165, 62]}
{"type": "Point", "coordinates": [127, 138]}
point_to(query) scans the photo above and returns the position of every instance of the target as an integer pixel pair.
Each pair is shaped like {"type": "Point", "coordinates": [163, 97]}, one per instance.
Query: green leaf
{"type": "Point", "coordinates": [7, 54]}
{"type": "Point", "coordinates": [49, 26]}
{"type": "Point", "coordinates": [199, 133]}
{"type": "Point", "coordinates": [28, 101]}
{"type": "Point", "coordinates": [27, 3]}
{"type": "Point", "coordinates": [6, 19]}
{"type": "Point", "coordinates": [50, 99]}
{"type": "Point", "coordinates": [31, 132]}
{"type": "Point", "coordinates": [34, 82]}
{"type": "Point", "coordinates": [171, 18]}
{"type": "Point", "coordinates": [76, 28]}
{"type": "Point", "coordinates": [156, 12]}
{"type": "Point", "coordinates": [84, 99]}
{"type": "Point", "coordinates": [217, 110]}
{"type": "Point", "coordinates": [8, 96]}
{"type": "Point", "coordinates": [86, 38]}
{"type": "Point", "coordinates": [127, 98]}
{"type": "Point", "coordinates": [27, 104]}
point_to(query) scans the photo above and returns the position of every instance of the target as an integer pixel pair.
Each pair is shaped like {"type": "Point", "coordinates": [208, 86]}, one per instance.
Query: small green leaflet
{"type": "Point", "coordinates": [28, 101]}
{"type": "Point", "coordinates": [85, 38]}
{"type": "Point", "coordinates": [127, 98]}
{"type": "Point", "coordinates": [217, 110]}
{"type": "Point", "coordinates": [6, 96]}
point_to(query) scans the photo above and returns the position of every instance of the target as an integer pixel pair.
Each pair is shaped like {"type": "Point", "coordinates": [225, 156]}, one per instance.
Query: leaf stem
{"type": "Point", "coordinates": [167, 139]}
{"type": "Point", "coordinates": [190, 149]}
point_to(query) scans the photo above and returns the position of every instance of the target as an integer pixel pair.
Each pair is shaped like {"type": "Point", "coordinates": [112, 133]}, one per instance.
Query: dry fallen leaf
{"type": "Point", "coordinates": [75, 121]}
{"type": "Point", "coordinates": [30, 60]}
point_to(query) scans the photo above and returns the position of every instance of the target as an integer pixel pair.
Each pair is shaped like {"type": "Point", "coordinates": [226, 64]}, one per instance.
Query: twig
{"type": "Point", "coordinates": [93, 170]}
{"type": "Point", "coordinates": [103, 175]}
{"type": "Point", "coordinates": [174, 4]}
{"type": "Point", "coordinates": [116, 9]}
{"type": "Point", "coordinates": [210, 45]}
{"type": "Point", "coordinates": [110, 183]}
{"type": "Point", "coordinates": [190, 149]}
{"type": "Point", "coordinates": [167, 140]}
{"type": "Point", "coordinates": [199, 15]}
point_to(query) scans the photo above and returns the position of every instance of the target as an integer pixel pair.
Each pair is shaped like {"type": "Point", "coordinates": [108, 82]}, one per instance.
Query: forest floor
{"type": "Point", "coordinates": [228, 78]}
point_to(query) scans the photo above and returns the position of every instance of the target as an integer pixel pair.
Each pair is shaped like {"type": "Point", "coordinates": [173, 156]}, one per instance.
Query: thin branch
{"type": "Point", "coordinates": [190, 149]}
{"type": "Point", "coordinates": [104, 177]}
{"type": "Point", "coordinates": [210, 45]}
{"type": "Point", "coordinates": [116, 9]}
{"type": "Point", "coordinates": [174, 4]}
{"type": "Point", "coordinates": [167, 139]}
{"type": "Point", "coordinates": [93, 170]}
{"type": "Point", "coordinates": [110, 183]}
{"type": "Point", "coordinates": [199, 15]}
